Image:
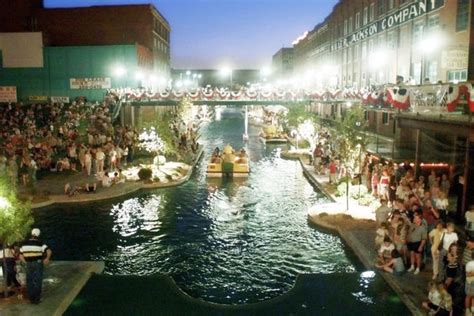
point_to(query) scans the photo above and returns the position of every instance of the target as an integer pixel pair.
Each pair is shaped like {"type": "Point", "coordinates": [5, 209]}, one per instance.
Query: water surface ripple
{"type": "Point", "coordinates": [224, 241]}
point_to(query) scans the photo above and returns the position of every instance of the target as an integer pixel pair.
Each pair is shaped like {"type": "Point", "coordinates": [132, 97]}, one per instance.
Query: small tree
{"type": "Point", "coordinates": [15, 219]}
{"type": "Point", "coordinates": [350, 142]}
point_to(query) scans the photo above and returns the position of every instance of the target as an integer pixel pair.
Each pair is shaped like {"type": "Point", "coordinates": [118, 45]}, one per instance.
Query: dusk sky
{"type": "Point", "coordinates": [239, 33]}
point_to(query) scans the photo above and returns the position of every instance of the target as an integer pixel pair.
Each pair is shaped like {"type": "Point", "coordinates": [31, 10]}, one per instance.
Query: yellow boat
{"type": "Point", "coordinates": [270, 135]}
{"type": "Point", "coordinates": [228, 164]}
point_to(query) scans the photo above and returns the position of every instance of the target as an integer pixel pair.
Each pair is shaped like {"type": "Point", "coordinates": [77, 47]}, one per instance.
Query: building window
{"type": "Point", "coordinates": [372, 11]}
{"type": "Point", "coordinates": [433, 22]}
{"type": "Point", "coordinates": [366, 115]}
{"type": "Point", "coordinates": [364, 50]}
{"type": "Point", "coordinates": [381, 7]}
{"type": "Point", "coordinates": [392, 40]}
{"type": "Point", "coordinates": [457, 75]}
{"type": "Point", "coordinates": [345, 27]}
{"type": "Point", "coordinates": [385, 118]}
{"type": "Point", "coordinates": [356, 52]}
{"type": "Point", "coordinates": [417, 33]}
{"type": "Point", "coordinates": [357, 20]}
{"type": "Point", "coordinates": [462, 15]}
{"type": "Point", "coordinates": [350, 25]}
{"type": "Point", "coordinates": [432, 72]}
{"type": "Point", "coordinates": [366, 13]}
{"type": "Point", "coordinates": [391, 4]}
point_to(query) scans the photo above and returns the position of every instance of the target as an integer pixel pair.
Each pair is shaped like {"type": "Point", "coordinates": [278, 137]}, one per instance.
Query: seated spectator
{"type": "Point", "coordinates": [106, 181]}
{"type": "Point", "coordinates": [380, 234]}
{"type": "Point", "coordinates": [71, 190]}
{"type": "Point", "coordinates": [434, 298]}
{"type": "Point", "coordinates": [394, 265]}
{"type": "Point", "coordinates": [63, 164]}
{"type": "Point", "coordinates": [385, 251]}
{"type": "Point", "coordinates": [118, 177]}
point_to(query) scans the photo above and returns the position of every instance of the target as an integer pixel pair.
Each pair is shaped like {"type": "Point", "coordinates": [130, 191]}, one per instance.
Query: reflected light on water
{"type": "Point", "coordinates": [136, 214]}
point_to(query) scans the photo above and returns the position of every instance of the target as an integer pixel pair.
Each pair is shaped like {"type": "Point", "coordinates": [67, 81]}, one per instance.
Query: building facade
{"type": "Point", "coordinates": [373, 42]}
{"type": "Point", "coordinates": [282, 63]}
{"type": "Point", "coordinates": [143, 25]}
{"type": "Point", "coordinates": [66, 72]}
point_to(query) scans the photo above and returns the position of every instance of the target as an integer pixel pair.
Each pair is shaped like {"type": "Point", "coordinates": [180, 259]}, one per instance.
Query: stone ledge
{"type": "Point", "coordinates": [62, 281]}
{"type": "Point", "coordinates": [129, 188]}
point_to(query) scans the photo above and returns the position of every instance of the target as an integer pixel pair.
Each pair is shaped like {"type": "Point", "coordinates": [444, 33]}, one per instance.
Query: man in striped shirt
{"type": "Point", "coordinates": [35, 254]}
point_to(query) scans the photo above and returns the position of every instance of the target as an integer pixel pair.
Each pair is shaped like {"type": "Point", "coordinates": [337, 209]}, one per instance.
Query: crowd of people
{"type": "Point", "coordinates": [417, 228]}
{"type": "Point", "coordinates": [56, 137]}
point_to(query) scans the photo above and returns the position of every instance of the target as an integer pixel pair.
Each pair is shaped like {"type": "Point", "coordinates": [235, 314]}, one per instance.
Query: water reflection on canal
{"type": "Point", "coordinates": [224, 241]}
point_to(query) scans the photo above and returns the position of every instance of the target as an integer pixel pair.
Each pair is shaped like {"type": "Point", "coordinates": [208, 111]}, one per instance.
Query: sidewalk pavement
{"type": "Point", "coordinates": [62, 281]}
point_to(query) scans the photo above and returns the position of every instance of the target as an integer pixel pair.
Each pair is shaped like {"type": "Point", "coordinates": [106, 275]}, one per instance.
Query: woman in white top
{"type": "Point", "coordinates": [448, 238]}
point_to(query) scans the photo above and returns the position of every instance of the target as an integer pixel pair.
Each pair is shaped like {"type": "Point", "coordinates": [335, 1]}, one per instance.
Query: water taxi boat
{"type": "Point", "coordinates": [228, 164]}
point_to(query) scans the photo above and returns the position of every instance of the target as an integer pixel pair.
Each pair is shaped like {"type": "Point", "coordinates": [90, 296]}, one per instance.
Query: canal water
{"type": "Point", "coordinates": [224, 241]}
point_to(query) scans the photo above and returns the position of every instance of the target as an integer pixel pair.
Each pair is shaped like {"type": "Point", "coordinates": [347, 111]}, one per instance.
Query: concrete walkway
{"type": "Point", "coordinates": [62, 281]}
{"type": "Point", "coordinates": [410, 288]}
{"type": "Point", "coordinates": [52, 187]}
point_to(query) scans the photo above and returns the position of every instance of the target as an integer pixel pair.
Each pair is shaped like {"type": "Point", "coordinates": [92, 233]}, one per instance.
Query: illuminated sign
{"type": "Point", "coordinates": [90, 83]}
{"type": "Point", "coordinates": [8, 94]}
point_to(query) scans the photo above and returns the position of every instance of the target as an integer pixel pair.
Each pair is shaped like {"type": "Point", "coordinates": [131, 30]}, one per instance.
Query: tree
{"type": "Point", "coordinates": [349, 140]}
{"type": "Point", "coordinates": [15, 218]}
{"type": "Point", "coordinates": [297, 114]}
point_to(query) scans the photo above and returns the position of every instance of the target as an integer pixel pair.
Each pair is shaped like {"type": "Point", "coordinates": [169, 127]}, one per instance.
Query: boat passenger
{"type": "Point", "coordinates": [242, 158]}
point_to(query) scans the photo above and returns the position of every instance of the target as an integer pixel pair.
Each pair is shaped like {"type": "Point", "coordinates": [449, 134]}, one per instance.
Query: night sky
{"type": "Point", "coordinates": [238, 33]}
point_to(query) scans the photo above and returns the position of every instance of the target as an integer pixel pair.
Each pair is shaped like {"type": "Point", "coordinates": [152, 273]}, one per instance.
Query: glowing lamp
{"type": "Point", "coordinates": [4, 203]}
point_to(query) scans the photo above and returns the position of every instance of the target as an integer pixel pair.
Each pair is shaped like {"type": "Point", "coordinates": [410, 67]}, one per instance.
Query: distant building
{"type": "Point", "coordinates": [282, 63]}
{"type": "Point", "coordinates": [81, 44]}
{"type": "Point", "coordinates": [364, 43]}
{"type": "Point", "coordinates": [214, 77]}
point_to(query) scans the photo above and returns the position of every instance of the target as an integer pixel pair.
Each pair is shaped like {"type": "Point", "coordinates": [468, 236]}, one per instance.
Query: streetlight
{"type": "Point", "coordinates": [428, 45]}
{"type": "Point", "coordinates": [119, 71]}
{"type": "Point", "coordinates": [227, 71]}
{"type": "Point", "coordinates": [4, 203]}
{"type": "Point", "coordinates": [265, 72]}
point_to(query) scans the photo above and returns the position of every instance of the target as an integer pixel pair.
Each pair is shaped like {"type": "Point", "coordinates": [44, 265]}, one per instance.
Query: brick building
{"type": "Point", "coordinates": [371, 42]}
{"type": "Point", "coordinates": [93, 26]}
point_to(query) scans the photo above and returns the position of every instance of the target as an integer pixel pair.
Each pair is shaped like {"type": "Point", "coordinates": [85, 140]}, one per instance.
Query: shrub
{"type": "Point", "coordinates": [358, 191]}
{"type": "Point", "coordinates": [366, 200]}
{"type": "Point", "coordinates": [341, 189]}
{"type": "Point", "coordinates": [169, 177]}
{"type": "Point", "coordinates": [145, 174]}
{"type": "Point", "coordinates": [156, 179]}
{"type": "Point", "coordinates": [355, 191]}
